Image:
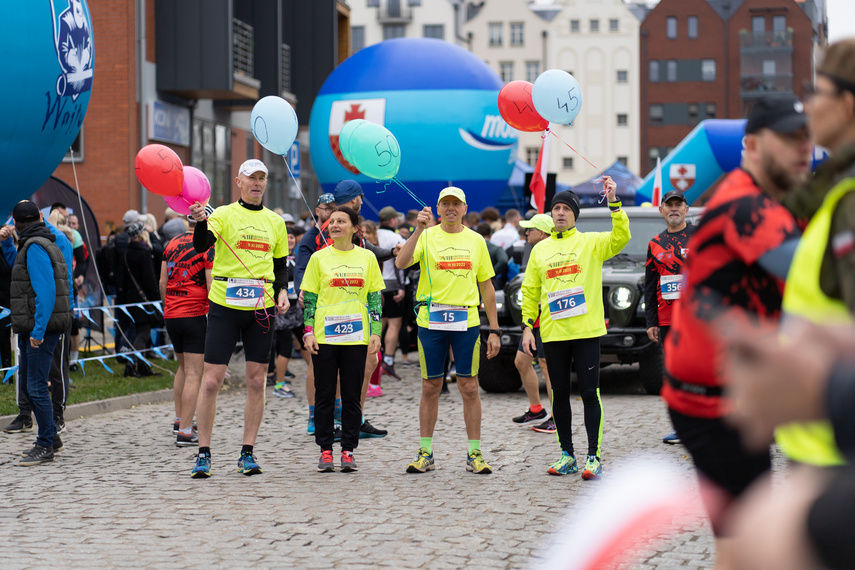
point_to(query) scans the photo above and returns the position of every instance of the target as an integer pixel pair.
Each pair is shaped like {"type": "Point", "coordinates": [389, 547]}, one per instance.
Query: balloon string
{"type": "Point", "coordinates": [416, 198]}
{"type": "Point", "coordinates": [424, 299]}
{"type": "Point", "coordinates": [582, 156]}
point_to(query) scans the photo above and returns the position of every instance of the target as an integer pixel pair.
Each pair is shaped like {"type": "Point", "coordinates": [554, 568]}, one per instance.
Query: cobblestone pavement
{"type": "Point", "coordinates": [121, 494]}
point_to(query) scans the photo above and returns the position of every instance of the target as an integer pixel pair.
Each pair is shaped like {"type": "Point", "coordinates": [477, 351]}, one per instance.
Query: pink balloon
{"type": "Point", "coordinates": [196, 189]}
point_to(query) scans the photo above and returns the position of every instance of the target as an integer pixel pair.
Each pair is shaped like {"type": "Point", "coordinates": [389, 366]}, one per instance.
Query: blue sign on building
{"type": "Point", "coordinates": [169, 123]}
{"type": "Point", "coordinates": [294, 159]}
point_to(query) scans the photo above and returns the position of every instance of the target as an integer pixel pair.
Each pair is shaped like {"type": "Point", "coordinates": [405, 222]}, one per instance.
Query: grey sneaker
{"type": "Point", "coordinates": [20, 424]}
{"type": "Point", "coordinates": [182, 440]}
{"type": "Point", "coordinates": [37, 456]}
{"type": "Point", "coordinates": [57, 446]}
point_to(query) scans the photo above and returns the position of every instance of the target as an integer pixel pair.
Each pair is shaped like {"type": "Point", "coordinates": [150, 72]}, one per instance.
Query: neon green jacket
{"type": "Point", "coordinates": [565, 276]}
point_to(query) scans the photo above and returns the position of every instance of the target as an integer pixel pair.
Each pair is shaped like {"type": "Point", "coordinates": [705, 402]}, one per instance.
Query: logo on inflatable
{"type": "Point", "coordinates": [682, 176]}
{"type": "Point", "coordinates": [73, 44]}
{"type": "Point", "coordinates": [372, 110]}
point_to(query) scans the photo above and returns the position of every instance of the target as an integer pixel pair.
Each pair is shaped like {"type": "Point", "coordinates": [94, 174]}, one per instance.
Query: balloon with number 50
{"type": "Point", "coordinates": [159, 170]}
{"type": "Point", "coordinates": [375, 151]}
{"type": "Point", "coordinates": [557, 96]}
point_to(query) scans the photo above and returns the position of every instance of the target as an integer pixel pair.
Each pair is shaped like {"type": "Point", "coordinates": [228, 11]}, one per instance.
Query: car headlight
{"type": "Point", "coordinates": [518, 298]}
{"type": "Point", "coordinates": [621, 298]}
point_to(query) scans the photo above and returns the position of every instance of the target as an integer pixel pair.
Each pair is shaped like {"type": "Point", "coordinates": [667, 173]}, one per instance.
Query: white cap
{"type": "Point", "coordinates": [249, 167]}
{"type": "Point", "coordinates": [288, 218]}
{"type": "Point", "coordinates": [130, 217]}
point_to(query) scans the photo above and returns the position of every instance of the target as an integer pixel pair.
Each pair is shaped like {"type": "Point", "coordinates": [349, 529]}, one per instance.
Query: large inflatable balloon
{"type": "Point", "coordinates": [48, 58]}
{"type": "Point", "coordinates": [517, 108]}
{"type": "Point", "coordinates": [440, 103]}
{"type": "Point", "coordinates": [557, 96]}
{"type": "Point", "coordinates": [274, 124]}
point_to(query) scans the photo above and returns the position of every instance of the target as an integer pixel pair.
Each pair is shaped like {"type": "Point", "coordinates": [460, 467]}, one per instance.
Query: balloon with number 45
{"type": "Point", "coordinates": [557, 96]}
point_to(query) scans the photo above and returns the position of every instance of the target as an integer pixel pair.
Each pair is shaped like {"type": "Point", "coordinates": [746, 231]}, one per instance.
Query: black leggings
{"type": "Point", "coordinates": [346, 363]}
{"type": "Point", "coordinates": [585, 354]}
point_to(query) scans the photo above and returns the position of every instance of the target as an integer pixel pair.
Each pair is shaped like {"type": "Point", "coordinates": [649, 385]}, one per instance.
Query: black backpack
{"type": "Point", "coordinates": [107, 262]}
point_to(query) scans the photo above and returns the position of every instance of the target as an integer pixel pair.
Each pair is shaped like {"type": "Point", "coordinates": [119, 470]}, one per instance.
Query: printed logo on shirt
{"type": "Point", "coordinates": [348, 277]}
{"type": "Point", "coordinates": [456, 261]}
{"type": "Point", "coordinates": [254, 241]}
{"type": "Point", "coordinates": [563, 267]}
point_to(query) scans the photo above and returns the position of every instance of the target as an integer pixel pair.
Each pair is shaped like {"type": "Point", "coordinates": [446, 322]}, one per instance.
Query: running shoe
{"type": "Point", "coordinates": [325, 464]}
{"type": "Point", "coordinates": [546, 427]}
{"type": "Point", "coordinates": [282, 390]}
{"type": "Point", "coordinates": [672, 438]}
{"type": "Point", "coordinates": [60, 425]}
{"type": "Point", "coordinates": [182, 440]}
{"type": "Point", "coordinates": [310, 429]}
{"type": "Point", "coordinates": [347, 463]}
{"type": "Point", "coordinates": [565, 465]}
{"type": "Point", "coordinates": [20, 424]}
{"type": "Point", "coordinates": [203, 467]}
{"type": "Point", "coordinates": [593, 468]}
{"type": "Point", "coordinates": [476, 463]}
{"type": "Point", "coordinates": [452, 373]}
{"type": "Point", "coordinates": [271, 379]}
{"type": "Point", "coordinates": [289, 374]}
{"type": "Point", "coordinates": [36, 456]}
{"type": "Point", "coordinates": [57, 447]}
{"type": "Point", "coordinates": [248, 465]}
{"type": "Point", "coordinates": [366, 431]}
{"type": "Point", "coordinates": [389, 369]}
{"type": "Point", "coordinates": [374, 391]}
{"type": "Point", "coordinates": [423, 461]}
{"type": "Point", "coordinates": [175, 427]}
{"type": "Point", "coordinates": [530, 417]}
{"type": "Point", "coordinates": [336, 433]}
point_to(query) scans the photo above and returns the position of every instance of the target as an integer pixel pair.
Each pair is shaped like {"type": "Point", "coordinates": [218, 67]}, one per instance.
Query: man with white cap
{"type": "Point", "coordinates": [250, 281]}
{"type": "Point", "coordinates": [456, 275]}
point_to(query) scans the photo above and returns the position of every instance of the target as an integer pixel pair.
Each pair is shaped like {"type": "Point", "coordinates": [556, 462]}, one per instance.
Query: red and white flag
{"type": "Point", "coordinates": [657, 184]}
{"type": "Point", "coordinates": [538, 177]}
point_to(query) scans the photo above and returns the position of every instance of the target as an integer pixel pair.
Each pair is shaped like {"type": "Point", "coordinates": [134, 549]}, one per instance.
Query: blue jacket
{"type": "Point", "coordinates": [64, 245]}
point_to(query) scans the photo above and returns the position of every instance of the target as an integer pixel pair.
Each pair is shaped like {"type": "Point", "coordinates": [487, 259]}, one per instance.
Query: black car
{"type": "Point", "coordinates": [626, 341]}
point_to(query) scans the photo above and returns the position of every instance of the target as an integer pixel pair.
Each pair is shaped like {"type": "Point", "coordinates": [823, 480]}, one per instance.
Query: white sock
{"type": "Point", "coordinates": [186, 431]}
{"type": "Point", "coordinates": [388, 359]}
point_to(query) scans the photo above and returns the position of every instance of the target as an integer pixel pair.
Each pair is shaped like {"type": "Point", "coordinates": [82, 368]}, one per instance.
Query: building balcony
{"type": "Point", "coordinates": [394, 12]}
{"type": "Point", "coordinates": [766, 41]}
{"type": "Point", "coordinates": [756, 86]}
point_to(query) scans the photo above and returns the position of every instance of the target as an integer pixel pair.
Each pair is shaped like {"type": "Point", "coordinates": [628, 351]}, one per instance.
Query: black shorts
{"type": "Point", "coordinates": [226, 326]}
{"type": "Point", "coordinates": [284, 342]}
{"type": "Point", "coordinates": [537, 342]}
{"type": "Point", "coordinates": [187, 334]}
{"type": "Point", "coordinates": [392, 309]}
{"type": "Point", "coordinates": [718, 453]}
{"type": "Point", "coordinates": [75, 325]}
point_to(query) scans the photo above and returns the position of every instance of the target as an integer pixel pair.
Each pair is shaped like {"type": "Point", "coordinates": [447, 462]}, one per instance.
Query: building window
{"type": "Point", "coordinates": [671, 71]}
{"type": "Point", "coordinates": [392, 31]}
{"type": "Point", "coordinates": [532, 70]}
{"type": "Point", "coordinates": [574, 25]}
{"type": "Point", "coordinates": [693, 27]}
{"type": "Point", "coordinates": [671, 27]}
{"type": "Point", "coordinates": [654, 154]}
{"type": "Point", "coordinates": [75, 153]}
{"type": "Point", "coordinates": [654, 71]}
{"type": "Point", "coordinates": [710, 110]}
{"type": "Point", "coordinates": [357, 38]}
{"type": "Point", "coordinates": [372, 3]}
{"type": "Point", "coordinates": [531, 155]}
{"type": "Point", "coordinates": [621, 120]}
{"type": "Point", "coordinates": [436, 31]}
{"type": "Point", "coordinates": [613, 25]}
{"type": "Point", "coordinates": [621, 76]}
{"type": "Point", "coordinates": [506, 70]}
{"type": "Point", "coordinates": [768, 67]}
{"type": "Point", "coordinates": [656, 114]}
{"type": "Point", "coordinates": [623, 160]}
{"type": "Point", "coordinates": [414, 2]}
{"type": "Point", "coordinates": [707, 70]}
{"type": "Point", "coordinates": [211, 152]}
{"type": "Point", "coordinates": [758, 25]}
{"type": "Point", "coordinates": [693, 113]}
{"type": "Point", "coordinates": [516, 34]}
{"type": "Point", "coordinates": [595, 25]}
{"type": "Point", "coordinates": [567, 162]}
{"type": "Point", "coordinates": [495, 34]}
{"type": "Point", "coordinates": [779, 23]}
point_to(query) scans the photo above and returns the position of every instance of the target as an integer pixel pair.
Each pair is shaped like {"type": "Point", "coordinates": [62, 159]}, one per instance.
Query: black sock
{"type": "Point", "coordinates": [205, 451]}
{"type": "Point", "coordinates": [246, 449]}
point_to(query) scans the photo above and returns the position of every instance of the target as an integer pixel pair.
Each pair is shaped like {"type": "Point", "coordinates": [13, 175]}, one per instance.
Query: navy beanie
{"type": "Point", "coordinates": [346, 190]}
{"type": "Point", "coordinates": [567, 197]}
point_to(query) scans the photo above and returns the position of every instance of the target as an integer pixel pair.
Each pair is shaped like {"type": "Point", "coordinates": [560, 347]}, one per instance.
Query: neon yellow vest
{"type": "Point", "coordinates": [813, 442]}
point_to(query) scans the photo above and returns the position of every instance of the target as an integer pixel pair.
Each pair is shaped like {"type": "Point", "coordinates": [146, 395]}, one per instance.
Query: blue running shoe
{"type": "Point", "coordinates": [565, 465]}
{"type": "Point", "coordinates": [248, 465]}
{"type": "Point", "coordinates": [672, 438]}
{"type": "Point", "coordinates": [310, 430]}
{"type": "Point", "coordinates": [202, 470]}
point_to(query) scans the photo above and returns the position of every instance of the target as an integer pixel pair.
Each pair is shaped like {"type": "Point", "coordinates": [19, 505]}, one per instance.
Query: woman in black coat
{"type": "Point", "coordinates": [138, 284]}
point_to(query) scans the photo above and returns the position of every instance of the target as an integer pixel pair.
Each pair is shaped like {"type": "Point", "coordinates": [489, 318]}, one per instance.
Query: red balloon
{"type": "Point", "coordinates": [160, 170]}
{"type": "Point", "coordinates": [517, 109]}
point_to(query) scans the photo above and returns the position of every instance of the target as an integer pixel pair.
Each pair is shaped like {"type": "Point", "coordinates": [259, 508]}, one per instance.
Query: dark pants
{"type": "Point", "coordinates": [5, 342]}
{"type": "Point", "coordinates": [60, 383]}
{"type": "Point", "coordinates": [345, 363]}
{"type": "Point", "coordinates": [585, 354]}
{"type": "Point", "coordinates": [34, 371]}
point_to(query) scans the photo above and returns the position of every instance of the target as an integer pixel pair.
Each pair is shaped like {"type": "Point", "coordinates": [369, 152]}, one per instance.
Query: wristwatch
{"type": "Point", "coordinates": [497, 332]}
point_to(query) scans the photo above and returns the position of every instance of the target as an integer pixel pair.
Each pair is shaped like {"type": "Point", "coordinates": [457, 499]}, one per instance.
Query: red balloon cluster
{"type": "Point", "coordinates": [160, 170]}
{"type": "Point", "coordinates": [517, 108]}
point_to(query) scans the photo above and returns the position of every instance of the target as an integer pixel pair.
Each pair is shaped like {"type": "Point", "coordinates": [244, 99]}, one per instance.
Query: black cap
{"type": "Point", "coordinates": [781, 113]}
{"type": "Point", "coordinates": [25, 211]}
{"type": "Point", "coordinates": [673, 194]}
{"type": "Point", "coordinates": [567, 197]}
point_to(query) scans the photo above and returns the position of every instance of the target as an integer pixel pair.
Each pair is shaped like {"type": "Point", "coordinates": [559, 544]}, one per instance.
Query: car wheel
{"type": "Point", "coordinates": [652, 368]}
{"type": "Point", "coordinates": [498, 374]}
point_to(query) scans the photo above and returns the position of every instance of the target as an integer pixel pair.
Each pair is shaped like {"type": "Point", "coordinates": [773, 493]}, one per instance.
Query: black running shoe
{"type": "Point", "coordinates": [37, 456]}
{"type": "Point", "coordinates": [20, 424]}
{"type": "Point", "coordinates": [530, 417]}
{"type": "Point", "coordinates": [366, 431]}
{"type": "Point", "coordinates": [57, 447]}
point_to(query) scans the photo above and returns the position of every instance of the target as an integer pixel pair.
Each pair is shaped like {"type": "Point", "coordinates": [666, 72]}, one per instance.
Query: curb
{"type": "Point", "coordinates": [76, 411]}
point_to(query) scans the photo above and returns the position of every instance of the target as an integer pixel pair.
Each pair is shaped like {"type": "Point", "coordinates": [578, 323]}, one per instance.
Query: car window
{"type": "Point", "coordinates": [642, 230]}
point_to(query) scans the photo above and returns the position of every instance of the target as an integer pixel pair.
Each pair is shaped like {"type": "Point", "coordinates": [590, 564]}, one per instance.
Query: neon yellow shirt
{"type": "Point", "coordinates": [253, 237]}
{"type": "Point", "coordinates": [342, 281]}
{"type": "Point", "coordinates": [452, 265]}
{"type": "Point", "coordinates": [565, 275]}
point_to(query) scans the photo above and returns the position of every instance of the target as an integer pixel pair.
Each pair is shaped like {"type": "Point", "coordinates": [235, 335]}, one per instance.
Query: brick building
{"type": "Point", "coordinates": [704, 59]}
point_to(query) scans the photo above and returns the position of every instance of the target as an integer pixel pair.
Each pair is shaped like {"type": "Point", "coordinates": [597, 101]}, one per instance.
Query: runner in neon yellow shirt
{"type": "Point", "coordinates": [565, 277]}
{"type": "Point", "coordinates": [250, 271]}
{"type": "Point", "coordinates": [341, 295]}
{"type": "Point", "coordinates": [455, 269]}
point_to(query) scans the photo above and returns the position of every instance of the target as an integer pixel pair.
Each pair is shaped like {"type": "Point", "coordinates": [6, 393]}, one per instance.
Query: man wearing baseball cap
{"type": "Point", "coordinates": [563, 289]}
{"type": "Point", "coordinates": [456, 276]}
{"type": "Point", "coordinates": [250, 282]}
{"type": "Point", "coordinates": [741, 252]}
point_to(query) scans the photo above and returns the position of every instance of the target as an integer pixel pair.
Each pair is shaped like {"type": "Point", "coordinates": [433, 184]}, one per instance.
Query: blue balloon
{"type": "Point", "coordinates": [557, 96]}
{"type": "Point", "coordinates": [375, 151]}
{"type": "Point", "coordinates": [49, 66]}
{"type": "Point", "coordinates": [274, 124]}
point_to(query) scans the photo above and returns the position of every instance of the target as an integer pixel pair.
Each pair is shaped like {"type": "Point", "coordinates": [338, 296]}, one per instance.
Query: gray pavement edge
{"type": "Point", "coordinates": [76, 411]}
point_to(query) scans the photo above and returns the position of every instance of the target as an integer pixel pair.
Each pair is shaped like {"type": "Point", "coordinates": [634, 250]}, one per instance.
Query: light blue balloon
{"type": "Point", "coordinates": [375, 151]}
{"type": "Point", "coordinates": [345, 135]}
{"type": "Point", "coordinates": [557, 96]}
{"type": "Point", "coordinates": [274, 124]}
